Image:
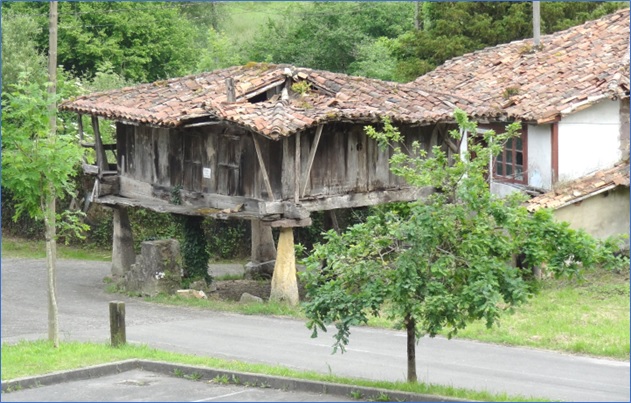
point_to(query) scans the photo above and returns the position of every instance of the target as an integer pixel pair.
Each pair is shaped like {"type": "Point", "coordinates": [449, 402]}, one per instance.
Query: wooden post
{"type": "Point", "coordinates": [123, 254]}
{"type": "Point", "coordinates": [101, 158]}
{"type": "Point", "coordinates": [230, 93]}
{"type": "Point", "coordinates": [117, 323]}
{"type": "Point", "coordinates": [298, 169]}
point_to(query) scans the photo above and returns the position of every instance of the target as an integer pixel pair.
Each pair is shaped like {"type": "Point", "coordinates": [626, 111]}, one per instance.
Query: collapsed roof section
{"type": "Point", "coordinates": [273, 100]}
{"type": "Point", "coordinates": [571, 70]}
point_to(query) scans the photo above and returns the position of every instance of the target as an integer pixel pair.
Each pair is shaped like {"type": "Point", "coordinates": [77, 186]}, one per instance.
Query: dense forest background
{"type": "Point", "coordinates": [108, 45]}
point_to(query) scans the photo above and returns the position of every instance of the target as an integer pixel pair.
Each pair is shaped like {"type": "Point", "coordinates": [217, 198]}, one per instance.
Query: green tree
{"type": "Point", "coordinates": [434, 265]}
{"type": "Point", "coordinates": [19, 50]}
{"type": "Point", "coordinates": [37, 167]}
{"type": "Point", "coordinates": [324, 35]}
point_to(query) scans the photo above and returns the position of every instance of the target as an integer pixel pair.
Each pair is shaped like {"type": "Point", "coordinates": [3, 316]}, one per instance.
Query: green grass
{"type": "Point", "coordinates": [20, 248]}
{"type": "Point", "coordinates": [590, 317]}
{"type": "Point", "coordinates": [29, 358]}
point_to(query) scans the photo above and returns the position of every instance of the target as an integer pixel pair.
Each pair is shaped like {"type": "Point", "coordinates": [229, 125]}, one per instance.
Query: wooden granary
{"type": "Point", "coordinates": [270, 143]}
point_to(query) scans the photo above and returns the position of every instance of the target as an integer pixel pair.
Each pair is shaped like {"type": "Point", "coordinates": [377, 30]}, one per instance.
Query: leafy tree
{"type": "Point", "coordinates": [324, 35]}
{"type": "Point", "coordinates": [19, 50]}
{"type": "Point", "coordinates": [434, 265]}
{"type": "Point", "coordinates": [374, 59]}
{"type": "Point", "coordinates": [143, 41]}
{"type": "Point", "coordinates": [37, 167]}
{"type": "Point", "coordinates": [219, 53]}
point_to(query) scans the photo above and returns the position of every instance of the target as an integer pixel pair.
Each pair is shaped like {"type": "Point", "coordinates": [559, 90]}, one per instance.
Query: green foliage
{"type": "Point", "coordinates": [374, 59]}
{"type": "Point", "coordinates": [220, 52]}
{"type": "Point", "coordinates": [324, 35]}
{"type": "Point", "coordinates": [227, 239]}
{"type": "Point", "coordinates": [194, 249]}
{"type": "Point", "coordinates": [34, 163]}
{"type": "Point", "coordinates": [446, 260]}
{"type": "Point", "coordinates": [19, 50]}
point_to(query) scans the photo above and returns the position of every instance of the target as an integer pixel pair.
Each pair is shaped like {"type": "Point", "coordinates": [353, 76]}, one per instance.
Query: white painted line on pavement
{"type": "Point", "coordinates": [220, 397]}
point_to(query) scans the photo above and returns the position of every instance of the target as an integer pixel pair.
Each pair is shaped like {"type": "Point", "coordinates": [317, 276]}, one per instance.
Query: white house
{"type": "Point", "coordinates": [571, 94]}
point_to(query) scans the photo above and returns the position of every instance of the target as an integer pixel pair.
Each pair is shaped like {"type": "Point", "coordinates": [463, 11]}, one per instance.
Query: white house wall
{"type": "Point", "coordinates": [539, 157]}
{"type": "Point", "coordinates": [589, 140]}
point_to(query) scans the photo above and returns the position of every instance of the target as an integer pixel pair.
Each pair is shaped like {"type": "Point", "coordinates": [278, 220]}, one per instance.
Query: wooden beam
{"type": "Point", "coordinates": [101, 158]}
{"type": "Point", "coordinates": [312, 153]}
{"type": "Point", "coordinates": [452, 146]}
{"type": "Point", "coordinates": [288, 223]}
{"type": "Point", "coordinates": [365, 199]}
{"type": "Point", "coordinates": [297, 169]}
{"type": "Point", "coordinates": [259, 155]}
{"type": "Point", "coordinates": [211, 123]}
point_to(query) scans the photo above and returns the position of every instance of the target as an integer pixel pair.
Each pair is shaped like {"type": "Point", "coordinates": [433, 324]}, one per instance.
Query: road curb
{"type": "Point", "coordinates": [234, 377]}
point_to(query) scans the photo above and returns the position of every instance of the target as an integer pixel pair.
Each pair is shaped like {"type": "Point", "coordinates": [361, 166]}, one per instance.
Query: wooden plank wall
{"type": "Point", "coordinates": [346, 161]}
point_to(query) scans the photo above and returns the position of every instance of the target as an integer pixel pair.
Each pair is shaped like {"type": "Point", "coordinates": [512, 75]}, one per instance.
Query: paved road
{"type": "Point", "coordinates": [373, 353]}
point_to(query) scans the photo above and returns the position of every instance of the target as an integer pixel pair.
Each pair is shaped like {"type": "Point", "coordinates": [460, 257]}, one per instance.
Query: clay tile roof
{"type": "Point", "coordinates": [574, 69]}
{"type": "Point", "coordinates": [582, 188]}
{"type": "Point", "coordinates": [332, 97]}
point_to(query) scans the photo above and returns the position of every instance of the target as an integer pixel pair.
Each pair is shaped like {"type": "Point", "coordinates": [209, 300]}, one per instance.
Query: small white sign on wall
{"type": "Point", "coordinates": [206, 173]}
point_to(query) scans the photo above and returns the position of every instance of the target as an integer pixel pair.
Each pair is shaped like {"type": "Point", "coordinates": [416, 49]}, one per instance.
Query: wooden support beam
{"type": "Point", "coordinates": [259, 155]}
{"type": "Point", "coordinates": [101, 158]}
{"type": "Point", "coordinates": [298, 169]}
{"type": "Point", "coordinates": [81, 135]}
{"type": "Point", "coordinates": [117, 323]}
{"type": "Point", "coordinates": [288, 223]}
{"type": "Point", "coordinates": [452, 146]}
{"type": "Point", "coordinates": [230, 93]}
{"type": "Point", "coordinates": [312, 153]}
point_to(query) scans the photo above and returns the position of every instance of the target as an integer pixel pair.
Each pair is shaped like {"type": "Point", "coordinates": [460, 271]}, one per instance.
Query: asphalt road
{"type": "Point", "coordinates": [372, 353]}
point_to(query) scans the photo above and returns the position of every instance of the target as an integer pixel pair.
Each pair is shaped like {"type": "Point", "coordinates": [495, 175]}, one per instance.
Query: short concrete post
{"type": "Point", "coordinates": [117, 323]}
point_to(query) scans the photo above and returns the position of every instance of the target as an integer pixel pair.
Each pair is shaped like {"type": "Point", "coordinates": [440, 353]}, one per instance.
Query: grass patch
{"type": "Point", "coordinates": [586, 317]}
{"type": "Point", "coordinates": [270, 308]}
{"type": "Point", "coordinates": [29, 358]}
{"type": "Point", "coordinates": [245, 19]}
{"type": "Point", "coordinates": [21, 248]}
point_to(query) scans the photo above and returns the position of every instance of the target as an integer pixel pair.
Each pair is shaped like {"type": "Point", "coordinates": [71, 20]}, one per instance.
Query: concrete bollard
{"type": "Point", "coordinates": [117, 323]}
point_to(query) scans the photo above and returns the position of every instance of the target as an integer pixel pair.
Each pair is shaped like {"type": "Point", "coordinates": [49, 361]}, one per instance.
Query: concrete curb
{"type": "Point", "coordinates": [203, 373]}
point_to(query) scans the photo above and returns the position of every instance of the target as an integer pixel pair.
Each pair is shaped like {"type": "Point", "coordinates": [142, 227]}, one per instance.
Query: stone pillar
{"type": "Point", "coordinates": [123, 255]}
{"type": "Point", "coordinates": [263, 251]}
{"type": "Point", "coordinates": [284, 283]}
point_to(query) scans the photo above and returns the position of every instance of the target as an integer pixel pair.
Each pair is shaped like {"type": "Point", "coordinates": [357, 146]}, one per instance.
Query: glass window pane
{"type": "Point", "coordinates": [519, 173]}
{"type": "Point", "coordinates": [509, 157]}
{"type": "Point", "coordinates": [500, 157]}
{"type": "Point", "coordinates": [509, 170]}
{"type": "Point", "coordinates": [499, 169]}
{"type": "Point", "coordinates": [518, 144]}
{"type": "Point", "coordinates": [519, 158]}
{"type": "Point", "coordinates": [509, 144]}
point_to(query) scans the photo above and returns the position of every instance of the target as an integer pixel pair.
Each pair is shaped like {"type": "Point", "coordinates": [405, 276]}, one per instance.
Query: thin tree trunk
{"type": "Point", "coordinates": [50, 196]}
{"type": "Point", "coordinates": [410, 325]}
{"type": "Point", "coordinates": [51, 263]}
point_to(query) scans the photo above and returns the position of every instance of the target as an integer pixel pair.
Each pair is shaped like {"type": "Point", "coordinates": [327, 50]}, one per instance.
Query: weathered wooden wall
{"type": "Point", "coordinates": [346, 162]}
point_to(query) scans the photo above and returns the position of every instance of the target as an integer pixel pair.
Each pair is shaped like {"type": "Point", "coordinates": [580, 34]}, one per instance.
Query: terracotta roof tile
{"type": "Point", "coordinates": [582, 188]}
{"type": "Point", "coordinates": [589, 60]}
{"type": "Point", "coordinates": [333, 97]}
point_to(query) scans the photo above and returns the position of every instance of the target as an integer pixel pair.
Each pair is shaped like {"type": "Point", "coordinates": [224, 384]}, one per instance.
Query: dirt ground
{"type": "Point", "coordinates": [231, 290]}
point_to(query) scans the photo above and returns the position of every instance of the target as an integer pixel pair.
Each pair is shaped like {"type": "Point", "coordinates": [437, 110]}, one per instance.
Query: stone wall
{"type": "Point", "coordinates": [158, 269]}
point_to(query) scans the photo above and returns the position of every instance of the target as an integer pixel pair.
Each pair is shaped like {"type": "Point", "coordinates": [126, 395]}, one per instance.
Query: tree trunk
{"type": "Point", "coordinates": [410, 325]}
{"type": "Point", "coordinates": [51, 263]}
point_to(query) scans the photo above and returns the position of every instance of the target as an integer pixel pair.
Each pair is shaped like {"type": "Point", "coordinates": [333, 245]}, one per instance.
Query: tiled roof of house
{"type": "Point", "coordinates": [582, 188]}
{"type": "Point", "coordinates": [574, 69]}
{"type": "Point", "coordinates": [332, 97]}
